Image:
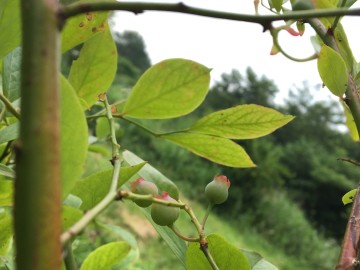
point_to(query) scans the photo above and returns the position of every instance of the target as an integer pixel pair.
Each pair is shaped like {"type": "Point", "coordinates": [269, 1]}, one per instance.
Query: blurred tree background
{"type": "Point", "coordinates": [291, 202]}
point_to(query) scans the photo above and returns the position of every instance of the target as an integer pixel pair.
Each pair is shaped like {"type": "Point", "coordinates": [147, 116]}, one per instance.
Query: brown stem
{"type": "Point", "coordinates": [139, 7]}
{"type": "Point", "coordinates": [37, 185]}
{"type": "Point", "coordinates": [351, 242]}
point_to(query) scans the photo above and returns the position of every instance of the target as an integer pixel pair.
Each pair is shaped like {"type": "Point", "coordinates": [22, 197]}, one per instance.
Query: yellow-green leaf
{"type": "Point", "coordinates": [277, 4]}
{"type": "Point", "coordinates": [93, 188]}
{"type": "Point", "coordinates": [219, 150]}
{"type": "Point", "coordinates": [10, 26]}
{"type": "Point", "coordinates": [344, 47]}
{"type": "Point", "coordinates": [225, 255]}
{"type": "Point", "coordinates": [6, 231]}
{"type": "Point", "coordinates": [74, 138]}
{"type": "Point", "coordinates": [332, 70]}
{"type": "Point", "coordinates": [349, 196]}
{"type": "Point", "coordinates": [80, 28]}
{"type": "Point", "coordinates": [169, 89]}
{"type": "Point", "coordinates": [6, 192]}
{"type": "Point", "coordinates": [106, 256]}
{"type": "Point", "coordinates": [93, 72]}
{"type": "Point", "coordinates": [241, 122]}
{"type": "Point", "coordinates": [350, 122]}
{"type": "Point", "coordinates": [69, 216]}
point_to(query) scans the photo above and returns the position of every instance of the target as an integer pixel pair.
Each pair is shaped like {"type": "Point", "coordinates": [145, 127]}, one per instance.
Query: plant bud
{"type": "Point", "coordinates": [164, 215]}
{"type": "Point", "coordinates": [143, 187]}
{"type": "Point", "coordinates": [217, 190]}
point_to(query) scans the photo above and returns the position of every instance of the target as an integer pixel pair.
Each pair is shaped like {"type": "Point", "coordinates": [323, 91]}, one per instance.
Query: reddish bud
{"type": "Point", "coordinates": [292, 31]}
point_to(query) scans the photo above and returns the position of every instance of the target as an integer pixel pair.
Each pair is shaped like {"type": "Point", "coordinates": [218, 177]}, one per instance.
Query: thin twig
{"type": "Point", "coordinates": [9, 106]}
{"type": "Point", "coordinates": [274, 33]}
{"type": "Point", "coordinates": [350, 247]}
{"type": "Point", "coordinates": [188, 239]}
{"type": "Point", "coordinates": [112, 194]}
{"type": "Point", "coordinates": [140, 7]}
{"type": "Point", "coordinates": [69, 259]}
{"type": "Point", "coordinates": [208, 210]}
{"type": "Point", "coordinates": [115, 145]}
{"type": "Point", "coordinates": [92, 213]}
{"type": "Point", "coordinates": [122, 194]}
{"type": "Point", "coordinates": [337, 19]}
{"type": "Point", "coordinates": [354, 162]}
{"type": "Point", "coordinates": [209, 257]}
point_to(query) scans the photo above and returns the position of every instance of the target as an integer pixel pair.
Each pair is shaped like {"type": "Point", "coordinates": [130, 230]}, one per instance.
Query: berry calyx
{"type": "Point", "coordinates": [217, 190]}
{"type": "Point", "coordinates": [143, 187]}
{"type": "Point", "coordinates": [164, 215]}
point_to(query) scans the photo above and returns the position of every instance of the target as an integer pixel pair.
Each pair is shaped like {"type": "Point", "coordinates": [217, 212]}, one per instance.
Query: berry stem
{"type": "Point", "coordinates": [188, 239]}
{"type": "Point", "coordinates": [209, 257]}
{"type": "Point", "coordinates": [122, 194]}
{"type": "Point", "coordinates": [69, 259]}
{"type": "Point", "coordinates": [208, 210]}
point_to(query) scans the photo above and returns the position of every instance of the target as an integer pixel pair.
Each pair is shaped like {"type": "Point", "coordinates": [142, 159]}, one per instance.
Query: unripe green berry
{"type": "Point", "coordinates": [164, 215]}
{"type": "Point", "coordinates": [143, 187]}
{"type": "Point", "coordinates": [302, 5]}
{"type": "Point", "coordinates": [217, 190]}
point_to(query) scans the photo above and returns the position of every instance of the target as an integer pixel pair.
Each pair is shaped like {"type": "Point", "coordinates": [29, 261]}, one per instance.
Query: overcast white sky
{"type": "Point", "coordinates": [225, 45]}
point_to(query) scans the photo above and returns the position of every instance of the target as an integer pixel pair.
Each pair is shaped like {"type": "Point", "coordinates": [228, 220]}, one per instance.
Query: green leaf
{"type": "Point", "coordinates": [277, 4]}
{"type": "Point", "coordinates": [69, 216]}
{"type": "Point", "coordinates": [81, 28]}
{"type": "Point", "coordinates": [332, 70]}
{"type": "Point", "coordinates": [350, 122]}
{"type": "Point", "coordinates": [8, 262]}
{"type": "Point", "coordinates": [102, 130]}
{"type": "Point", "coordinates": [10, 28]}
{"type": "Point", "coordinates": [219, 150]}
{"type": "Point", "coordinates": [106, 256]}
{"type": "Point", "coordinates": [241, 122]}
{"type": "Point", "coordinates": [92, 189]}
{"type": "Point", "coordinates": [226, 256]}
{"type": "Point", "coordinates": [153, 175]}
{"type": "Point", "coordinates": [9, 133]}
{"type": "Point", "coordinates": [349, 196]}
{"type": "Point", "coordinates": [93, 72]}
{"type": "Point", "coordinates": [6, 192]}
{"type": "Point", "coordinates": [73, 201]}
{"type": "Point", "coordinates": [6, 171]}
{"type": "Point", "coordinates": [127, 237]}
{"type": "Point", "coordinates": [95, 161]}
{"type": "Point", "coordinates": [257, 262]}
{"type": "Point", "coordinates": [74, 138]}
{"type": "Point", "coordinates": [6, 231]}
{"type": "Point", "coordinates": [344, 47]}
{"type": "Point", "coordinates": [169, 89]}
{"type": "Point", "coordinates": [11, 74]}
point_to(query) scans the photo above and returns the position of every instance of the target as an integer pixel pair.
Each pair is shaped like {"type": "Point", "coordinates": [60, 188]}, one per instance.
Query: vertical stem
{"type": "Point", "coordinates": [351, 242]}
{"type": "Point", "coordinates": [69, 258]}
{"type": "Point", "coordinates": [209, 257]}
{"type": "Point", "coordinates": [37, 186]}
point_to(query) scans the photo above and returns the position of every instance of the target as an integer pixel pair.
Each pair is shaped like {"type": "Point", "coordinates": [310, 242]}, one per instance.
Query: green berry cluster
{"type": "Point", "coordinates": [161, 214]}
{"type": "Point", "coordinates": [164, 215]}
